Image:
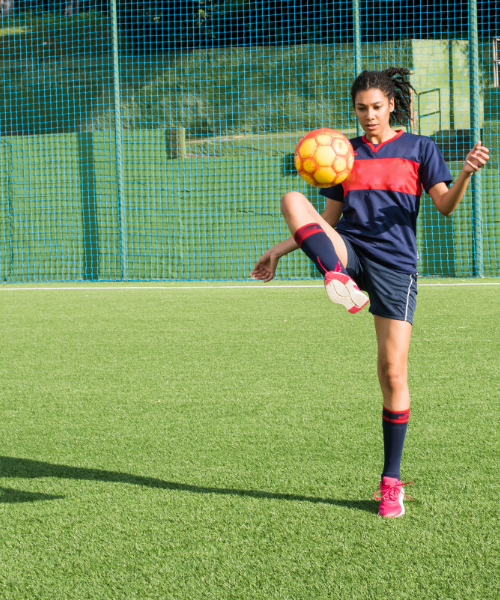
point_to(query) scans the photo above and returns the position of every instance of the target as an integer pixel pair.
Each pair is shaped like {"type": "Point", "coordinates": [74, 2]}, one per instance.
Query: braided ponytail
{"type": "Point", "coordinates": [394, 83]}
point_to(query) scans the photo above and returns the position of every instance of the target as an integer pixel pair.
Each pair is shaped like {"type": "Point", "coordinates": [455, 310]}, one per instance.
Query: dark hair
{"type": "Point", "coordinates": [393, 82]}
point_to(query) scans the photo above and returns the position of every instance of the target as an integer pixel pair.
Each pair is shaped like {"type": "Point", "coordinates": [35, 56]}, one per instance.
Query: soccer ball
{"type": "Point", "coordinates": [324, 157]}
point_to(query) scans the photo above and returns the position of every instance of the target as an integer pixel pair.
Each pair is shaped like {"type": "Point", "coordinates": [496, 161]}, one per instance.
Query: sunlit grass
{"type": "Point", "coordinates": [226, 443]}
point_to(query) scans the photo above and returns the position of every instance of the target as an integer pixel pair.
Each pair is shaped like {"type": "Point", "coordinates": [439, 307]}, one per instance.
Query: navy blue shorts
{"type": "Point", "coordinates": [392, 295]}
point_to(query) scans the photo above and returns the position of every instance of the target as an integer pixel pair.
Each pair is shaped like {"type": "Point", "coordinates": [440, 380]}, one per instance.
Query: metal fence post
{"type": "Point", "coordinates": [118, 146]}
{"type": "Point", "coordinates": [357, 49]}
{"type": "Point", "coordinates": [475, 130]}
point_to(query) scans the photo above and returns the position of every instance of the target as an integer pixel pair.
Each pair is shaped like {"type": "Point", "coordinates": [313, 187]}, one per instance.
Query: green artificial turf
{"type": "Point", "coordinates": [226, 443]}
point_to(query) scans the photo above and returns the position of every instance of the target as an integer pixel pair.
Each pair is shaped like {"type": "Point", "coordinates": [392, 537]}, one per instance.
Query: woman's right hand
{"type": "Point", "coordinates": [265, 267]}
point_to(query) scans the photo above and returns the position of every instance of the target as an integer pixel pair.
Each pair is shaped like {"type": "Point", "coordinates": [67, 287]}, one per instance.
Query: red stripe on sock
{"type": "Point", "coordinates": [396, 412]}
{"type": "Point", "coordinates": [395, 420]}
{"type": "Point", "coordinates": [305, 231]}
{"type": "Point", "coordinates": [398, 416]}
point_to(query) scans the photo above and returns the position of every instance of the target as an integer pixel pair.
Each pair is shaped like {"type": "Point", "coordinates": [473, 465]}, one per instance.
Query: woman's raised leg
{"type": "Point", "coordinates": [298, 211]}
{"type": "Point", "coordinates": [325, 247]}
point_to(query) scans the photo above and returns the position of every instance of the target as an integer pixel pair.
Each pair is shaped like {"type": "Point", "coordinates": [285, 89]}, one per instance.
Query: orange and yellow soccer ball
{"type": "Point", "coordinates": [324, 157]}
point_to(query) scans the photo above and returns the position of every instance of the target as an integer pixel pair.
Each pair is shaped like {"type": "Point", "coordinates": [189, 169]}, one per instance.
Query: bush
{"type": "Point", "coordinates": [258, 90]}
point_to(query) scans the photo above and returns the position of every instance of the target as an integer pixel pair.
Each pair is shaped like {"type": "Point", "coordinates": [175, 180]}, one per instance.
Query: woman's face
{"type": "Point", "coordinates": [373, 109]}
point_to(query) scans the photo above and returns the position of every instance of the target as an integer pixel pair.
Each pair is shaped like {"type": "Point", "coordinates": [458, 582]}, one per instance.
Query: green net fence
{"type": "Point", "coordinates": [153, 140]}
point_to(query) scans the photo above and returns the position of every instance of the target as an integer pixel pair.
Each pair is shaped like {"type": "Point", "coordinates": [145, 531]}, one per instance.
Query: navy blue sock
{"type": "Point", "coordinates": [314, 242]}
{"type": "Point", "coordinates": [394, 425]}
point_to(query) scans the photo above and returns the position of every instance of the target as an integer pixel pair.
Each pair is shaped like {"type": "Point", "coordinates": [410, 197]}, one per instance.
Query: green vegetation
{"type": "Point", "coordinates": [253, 90]}
{"type": "Point", "coordinates": [57, 77]}
{"type": "Point", "coordinates": [67, 83]}
{"type": "Point", "coordinates": [53, 71]}
{"type": "Point", "coordinates": [214, 443]}
{"type": "Point", "coordinates": [51, 36]}
{"type": "Point", "coordinates": [39, 20]}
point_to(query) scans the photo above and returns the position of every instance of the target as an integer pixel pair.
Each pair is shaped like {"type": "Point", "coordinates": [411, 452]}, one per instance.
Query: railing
{"type": "Point", "coordinates": [496, 61]}
{"type": "Point", "coordinates": [430, 114]}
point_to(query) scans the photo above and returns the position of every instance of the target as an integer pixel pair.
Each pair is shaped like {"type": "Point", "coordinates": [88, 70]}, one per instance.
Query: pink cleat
{"type": "Point", "coordinates": [341, 289]}
{"type": "Point", "coordinates": [391, 497]}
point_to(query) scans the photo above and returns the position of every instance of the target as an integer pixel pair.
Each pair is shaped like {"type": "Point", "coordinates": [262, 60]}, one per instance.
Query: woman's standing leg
{"type": "Point", "coordinates": [393, 340]}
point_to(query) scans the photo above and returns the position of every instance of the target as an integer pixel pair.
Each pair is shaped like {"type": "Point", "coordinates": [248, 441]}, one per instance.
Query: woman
{"type": "Point", "coordinates": [365, 239]}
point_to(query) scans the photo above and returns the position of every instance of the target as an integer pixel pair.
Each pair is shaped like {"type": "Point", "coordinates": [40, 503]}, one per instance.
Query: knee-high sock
{"type": "Point", "coordinates": [394, 426]}
{"type": "Point", "coordinates": [314, 242]}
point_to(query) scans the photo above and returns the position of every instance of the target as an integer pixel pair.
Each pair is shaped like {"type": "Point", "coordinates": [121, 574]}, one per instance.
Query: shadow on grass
{"type": "Point", "coordinates": [11, 496]}
{"type": "Point", "coordinates": [29, 469]}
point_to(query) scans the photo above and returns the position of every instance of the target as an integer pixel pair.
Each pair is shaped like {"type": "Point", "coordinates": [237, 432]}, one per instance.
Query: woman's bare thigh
{"type": "Point", "coordinates": [298, 211]}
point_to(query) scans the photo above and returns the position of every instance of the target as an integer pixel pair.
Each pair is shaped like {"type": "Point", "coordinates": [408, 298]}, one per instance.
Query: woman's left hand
{"type": "Point", "coordinates": [476, 158]}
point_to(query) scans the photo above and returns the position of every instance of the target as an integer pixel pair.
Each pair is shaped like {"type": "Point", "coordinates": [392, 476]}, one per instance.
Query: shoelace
{"type": "Point", "coordinates": [391, 492]}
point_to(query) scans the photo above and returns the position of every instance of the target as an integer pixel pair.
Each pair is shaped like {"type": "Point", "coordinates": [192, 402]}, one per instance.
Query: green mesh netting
{"type": "Point", "coordinates": [153, 140]}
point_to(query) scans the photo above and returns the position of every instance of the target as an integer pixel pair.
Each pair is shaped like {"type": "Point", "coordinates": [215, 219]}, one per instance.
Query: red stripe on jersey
{"type": "Point", "coordinates": [393, 174]}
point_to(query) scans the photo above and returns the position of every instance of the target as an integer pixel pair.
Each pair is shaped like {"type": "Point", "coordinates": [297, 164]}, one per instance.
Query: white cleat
{"type": "Point", "coordinates": [341, 289]}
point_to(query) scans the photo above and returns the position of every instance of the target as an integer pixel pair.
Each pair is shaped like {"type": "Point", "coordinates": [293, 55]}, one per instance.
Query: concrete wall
{"type": "Point", "coordinates": [441, 78]}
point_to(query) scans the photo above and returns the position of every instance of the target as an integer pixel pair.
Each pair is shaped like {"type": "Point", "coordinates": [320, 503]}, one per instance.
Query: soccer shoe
{"type": "Point", "coordinates": [341, 289]}
{"type": "Point", "coordinates": [391, 497]}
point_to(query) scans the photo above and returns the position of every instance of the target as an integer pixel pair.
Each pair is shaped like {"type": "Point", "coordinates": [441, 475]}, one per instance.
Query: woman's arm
{"type": "Point", "coordinates": [266, 265]}
{"type": "Point", "coordinates": [446, 200]}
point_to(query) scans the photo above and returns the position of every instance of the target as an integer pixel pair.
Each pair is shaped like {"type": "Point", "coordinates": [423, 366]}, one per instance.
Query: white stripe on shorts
{"type": "Point", "coordinates": [408, 297]}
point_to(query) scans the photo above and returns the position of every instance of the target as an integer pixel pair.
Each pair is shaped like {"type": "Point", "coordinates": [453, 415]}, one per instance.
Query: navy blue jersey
{"type": "Point", "coordinates": [381, 196]}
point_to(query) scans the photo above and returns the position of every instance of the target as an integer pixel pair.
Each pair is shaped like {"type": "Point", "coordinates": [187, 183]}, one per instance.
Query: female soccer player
{"type": "Point", "coordinates": [365, 239]}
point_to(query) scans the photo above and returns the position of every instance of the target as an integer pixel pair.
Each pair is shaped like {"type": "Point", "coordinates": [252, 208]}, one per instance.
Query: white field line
{"type": "Point", "coordinates": [213, 287]}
